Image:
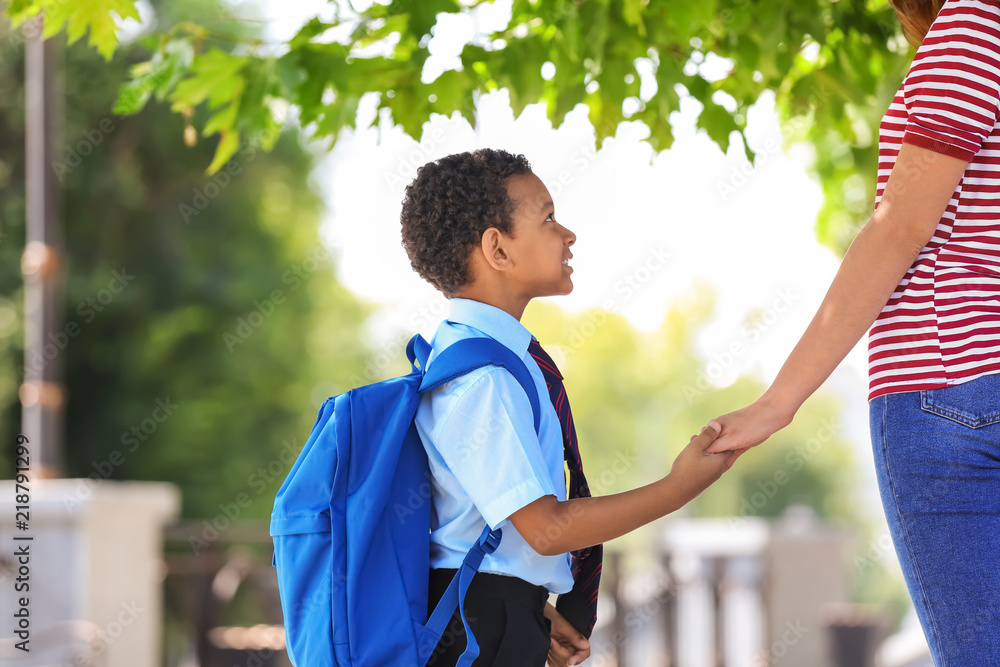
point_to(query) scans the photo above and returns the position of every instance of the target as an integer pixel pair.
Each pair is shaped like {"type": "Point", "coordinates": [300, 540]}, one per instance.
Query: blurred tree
{"type": "Point", "coordinates": [204, 323]}
{"type": "Point", "coordinates": [834, 66]}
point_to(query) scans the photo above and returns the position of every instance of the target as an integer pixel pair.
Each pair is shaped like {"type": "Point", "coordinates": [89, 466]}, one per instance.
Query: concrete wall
{"type": "Point", "coordinates": [94, 570]}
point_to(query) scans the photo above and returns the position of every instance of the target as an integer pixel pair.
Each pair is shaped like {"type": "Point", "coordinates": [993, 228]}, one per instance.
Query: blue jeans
{"type": "Point", "coordinates": [937, 459]}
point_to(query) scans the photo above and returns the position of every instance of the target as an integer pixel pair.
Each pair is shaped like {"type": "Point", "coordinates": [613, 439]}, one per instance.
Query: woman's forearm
{"type": "Point", "coordinates": [916, 195]}
{"type": "Point", "coordinates": [915, 198]}
{"type": "Point", "coordinates": [873, 267]}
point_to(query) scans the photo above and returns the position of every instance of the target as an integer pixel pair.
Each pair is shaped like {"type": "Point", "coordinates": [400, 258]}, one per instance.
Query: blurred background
{"type": "Point", "coordinates": [175, 305]}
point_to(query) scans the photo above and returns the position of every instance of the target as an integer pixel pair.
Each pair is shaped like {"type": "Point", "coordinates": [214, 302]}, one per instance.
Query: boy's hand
{"type": "Point", "coordinates": [568, 647]}
{"type": "Point", "coordinates": [694, 470]}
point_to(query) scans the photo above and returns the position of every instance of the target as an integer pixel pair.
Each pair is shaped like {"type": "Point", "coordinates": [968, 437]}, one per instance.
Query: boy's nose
{"type": "Point", "coordinates": [570, 236]}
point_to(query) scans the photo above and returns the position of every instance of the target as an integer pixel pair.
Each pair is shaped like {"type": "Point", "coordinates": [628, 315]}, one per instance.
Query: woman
{"type": "Point", "coordinates": [926, 271]}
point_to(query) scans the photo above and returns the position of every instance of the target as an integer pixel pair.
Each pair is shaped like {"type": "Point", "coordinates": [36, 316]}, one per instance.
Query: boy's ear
{"type": "Point", "coordinates": [494, 250]}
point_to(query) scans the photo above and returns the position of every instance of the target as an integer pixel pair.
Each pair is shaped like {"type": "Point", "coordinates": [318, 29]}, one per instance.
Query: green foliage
{"type": "Point", "coordinates": [834, 66]}
{"type": "Point", "coordinates": [205, 337]}
{"type": "Point", "coordinates": [77, 18]}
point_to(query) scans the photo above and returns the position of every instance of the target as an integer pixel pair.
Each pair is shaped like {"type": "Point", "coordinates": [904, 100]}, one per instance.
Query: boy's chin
{"type": "Point", "coordinates": [558, 291]}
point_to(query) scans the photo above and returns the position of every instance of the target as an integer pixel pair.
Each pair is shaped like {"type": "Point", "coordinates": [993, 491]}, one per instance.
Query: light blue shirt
{"type": "Point", "coordinates": [486, 460]}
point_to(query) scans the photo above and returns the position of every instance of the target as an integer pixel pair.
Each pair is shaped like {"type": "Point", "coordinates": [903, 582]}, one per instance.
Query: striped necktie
{"type": "Point", "coordinates": [579, 606]}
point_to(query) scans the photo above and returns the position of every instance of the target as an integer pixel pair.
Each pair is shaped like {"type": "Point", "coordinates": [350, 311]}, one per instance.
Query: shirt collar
{"type": "Point", "coordinates": [492, 321]}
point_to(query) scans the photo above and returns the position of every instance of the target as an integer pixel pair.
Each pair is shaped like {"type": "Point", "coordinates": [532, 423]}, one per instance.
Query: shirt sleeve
{"type": "Point", "coordinates": [488, 441]}
{"type": "Point", "coordinates": [952, 92]}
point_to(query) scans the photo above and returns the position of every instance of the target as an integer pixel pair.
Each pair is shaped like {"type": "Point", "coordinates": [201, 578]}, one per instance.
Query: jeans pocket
{"type": "Point", "coordinates": [974, 404]}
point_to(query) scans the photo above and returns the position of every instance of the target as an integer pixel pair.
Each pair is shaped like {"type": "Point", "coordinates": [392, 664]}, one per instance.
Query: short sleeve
{"type": "Point", "coordinates": [952, 91]}
{"type": "Point", "coordinates": [488, 441]}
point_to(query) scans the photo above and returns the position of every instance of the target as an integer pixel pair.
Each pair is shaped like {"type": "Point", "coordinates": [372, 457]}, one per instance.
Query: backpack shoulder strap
{"type": "Point", "coordinates": [417, 351]}
{"type": "Point", "coordinates": [454, 595]}
{"type": "Point", "coordinates": [471, 353]}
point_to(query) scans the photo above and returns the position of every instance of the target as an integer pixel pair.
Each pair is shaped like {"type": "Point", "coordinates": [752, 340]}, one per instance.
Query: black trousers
{"type": "Point", "coordinates": [505, 615]}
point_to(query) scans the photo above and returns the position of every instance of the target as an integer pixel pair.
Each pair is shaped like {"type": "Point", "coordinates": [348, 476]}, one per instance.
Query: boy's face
{"type": "Point", "coordinates": [540, 246]}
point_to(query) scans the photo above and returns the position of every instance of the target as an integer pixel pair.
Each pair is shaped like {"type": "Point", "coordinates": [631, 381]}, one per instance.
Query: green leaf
{"type": "Point", "coordinates": [20, 11]}
{"type": "Point", "coordinates": [290, 74]}
{"type": "Point", "coordinates": [313, 28]}
{"type": "Point", "coordinates": [718, 123]}
{"type": "Point", "coordinates": [228, 143]}
{"type": "Point", "coordinates": [453, 92]}
{"type": "Point", "coordinates": [215, 75]}
{"type": "Point", "coordinates": [83, 15]}
{"type": "Point", "coordinates": [223, 120]}
{"type": "Point", "coordinates": [156, 76]}
{"type": "Point", "coordinates": [422, 13]}
{"type": "Point", "coordinates": [632, 12]}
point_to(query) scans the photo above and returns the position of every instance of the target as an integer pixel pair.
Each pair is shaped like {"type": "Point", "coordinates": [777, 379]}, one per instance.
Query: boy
{"type": "Point", "coordinates": [481, 228]}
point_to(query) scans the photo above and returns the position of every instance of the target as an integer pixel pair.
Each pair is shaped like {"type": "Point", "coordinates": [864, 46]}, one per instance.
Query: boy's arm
{"type": "Point", "coordinates": [553, 527]}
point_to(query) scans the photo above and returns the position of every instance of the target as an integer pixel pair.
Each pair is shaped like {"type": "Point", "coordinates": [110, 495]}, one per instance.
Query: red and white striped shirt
{"type": "Point", "coordinates": [941, 326]}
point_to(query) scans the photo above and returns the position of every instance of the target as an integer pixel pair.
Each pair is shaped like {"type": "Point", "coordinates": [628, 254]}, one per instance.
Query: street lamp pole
{"type": "Point", "coordinates": [42, 395]}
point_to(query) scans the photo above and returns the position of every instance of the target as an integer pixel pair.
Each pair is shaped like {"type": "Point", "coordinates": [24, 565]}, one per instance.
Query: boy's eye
{"type": "Point", "coordinates": [551, 217]}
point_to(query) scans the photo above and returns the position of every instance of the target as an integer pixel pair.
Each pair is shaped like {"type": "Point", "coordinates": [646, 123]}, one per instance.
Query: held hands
{"type": "Point", "coordinates": [695, 469]}
{"type": "Point", "coordinates": [746, 428]}
{"type": "Point", "coordinates": [568, 647]}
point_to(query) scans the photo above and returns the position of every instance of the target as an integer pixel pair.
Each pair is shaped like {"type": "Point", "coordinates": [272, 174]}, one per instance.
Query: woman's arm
{"type": "Point", "coordinates": [919, 188]}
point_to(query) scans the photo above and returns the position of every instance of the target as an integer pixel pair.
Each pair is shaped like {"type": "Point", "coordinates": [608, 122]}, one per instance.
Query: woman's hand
{"type": "Point", "coordinates": [746, 428]}
{"type": "Point", "coordinates": [568, 647]}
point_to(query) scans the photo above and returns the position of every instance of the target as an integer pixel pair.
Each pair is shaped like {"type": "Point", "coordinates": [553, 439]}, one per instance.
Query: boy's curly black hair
{"type": "Point", "coordinates": [449, 205]}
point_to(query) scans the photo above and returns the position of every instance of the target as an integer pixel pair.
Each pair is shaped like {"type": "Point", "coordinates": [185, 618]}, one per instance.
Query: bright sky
{"type": "Point", "coordinates": [747, 232]}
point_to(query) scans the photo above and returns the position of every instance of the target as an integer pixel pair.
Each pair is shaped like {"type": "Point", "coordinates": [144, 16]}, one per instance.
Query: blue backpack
{"type": "Point", "coordinates": [351, 522]}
